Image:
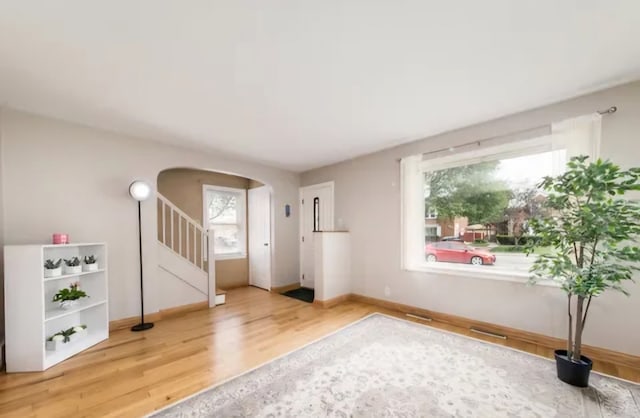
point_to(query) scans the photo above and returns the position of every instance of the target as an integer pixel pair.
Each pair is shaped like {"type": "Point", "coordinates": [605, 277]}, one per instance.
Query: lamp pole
{"type": "Point", "coordinates": [140, 191]}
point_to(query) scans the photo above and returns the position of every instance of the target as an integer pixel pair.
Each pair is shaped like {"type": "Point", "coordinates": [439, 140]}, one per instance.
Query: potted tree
{"type": "Point", "coordinates": [593, 231]}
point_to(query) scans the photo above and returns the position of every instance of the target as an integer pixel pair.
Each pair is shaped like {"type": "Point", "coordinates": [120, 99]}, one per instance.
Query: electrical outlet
{"type": "Point", "coordinates": [387, 291]}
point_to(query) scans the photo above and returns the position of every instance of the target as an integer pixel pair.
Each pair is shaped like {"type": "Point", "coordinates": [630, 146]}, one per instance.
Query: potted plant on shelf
{"type": "Point", "coordinates": [90, 263]}
{"type": "Point", "coordinates": [72, 266]}
{"type": "Point", "coordinates": [593, 231]}
{"type": "Point", "coordinates": [69, 297]}
{"type": "Point", "coordinates": [79, 332]}
{"type": "Point", "coordinates": [52, 268]}
{"type": "Point", "coordinates": [56, 340]}
{"type": "Point", "coordinates": [68, 335]}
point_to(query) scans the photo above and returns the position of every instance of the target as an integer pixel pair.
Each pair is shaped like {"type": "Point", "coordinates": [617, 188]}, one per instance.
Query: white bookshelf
{"type": "Point", "coordinates": [31, 316]}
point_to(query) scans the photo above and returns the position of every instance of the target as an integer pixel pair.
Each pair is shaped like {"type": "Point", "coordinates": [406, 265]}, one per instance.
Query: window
{"type": "Point", "coordinates": [225, 211]}
{"type": "Point", "coordinates": [475, 206]}
{"type": "Point", "coordinates": [431, 212]}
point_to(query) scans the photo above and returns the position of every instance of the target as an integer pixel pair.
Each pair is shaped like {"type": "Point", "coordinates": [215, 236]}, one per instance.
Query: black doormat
{"type": "Point", "coordinates": [301, 293]}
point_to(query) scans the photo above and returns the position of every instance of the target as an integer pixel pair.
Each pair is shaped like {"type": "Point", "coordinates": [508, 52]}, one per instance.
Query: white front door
{"type": "Point", "coordinates": [259, 205]}
{"type": "Point", "coordinates": [316, 214]}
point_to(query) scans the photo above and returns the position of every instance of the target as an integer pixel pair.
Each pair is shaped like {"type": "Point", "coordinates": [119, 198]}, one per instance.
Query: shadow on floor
{"type": "Point", "coordinates": [302, 293]}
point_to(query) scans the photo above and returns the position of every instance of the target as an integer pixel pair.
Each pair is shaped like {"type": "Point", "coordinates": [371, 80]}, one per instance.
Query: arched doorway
{"type": "Point", "coordinates": [204, 215]}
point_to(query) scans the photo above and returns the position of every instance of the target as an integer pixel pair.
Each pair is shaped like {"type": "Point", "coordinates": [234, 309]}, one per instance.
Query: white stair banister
{"type": "Point", "coordinates": [187, 249]}
{"type": "Point", "coordinates": [211, 267]}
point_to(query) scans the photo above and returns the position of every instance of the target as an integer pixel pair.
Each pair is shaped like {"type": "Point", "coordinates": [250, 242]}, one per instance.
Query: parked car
{"type": "Point", "coordinates": [457, 252]}
{"type": "Point", "coordinates": [452, 238]}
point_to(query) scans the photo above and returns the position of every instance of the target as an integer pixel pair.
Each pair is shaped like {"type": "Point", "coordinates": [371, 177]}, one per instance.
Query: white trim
{"type": "Point", "coordinates": [211, 267]}
{"type": "Point", "coordinates": [230, 256]}
{"type": "Point", "coordinates": [490, 153]}
{"type": "Point", "coordinates": [482, 272]}
{"type": "Point", "coordinates": [581, 135]}
{"type": "Point", "coordinates": [241, 212]}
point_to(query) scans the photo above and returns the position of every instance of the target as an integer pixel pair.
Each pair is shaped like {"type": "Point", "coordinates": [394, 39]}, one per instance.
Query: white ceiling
{"type": "Point", "coordinates": [299, 84]}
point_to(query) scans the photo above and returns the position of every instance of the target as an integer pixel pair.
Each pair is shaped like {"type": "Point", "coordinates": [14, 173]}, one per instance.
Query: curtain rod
{"type": "Point", "coordinates": [609, 111]}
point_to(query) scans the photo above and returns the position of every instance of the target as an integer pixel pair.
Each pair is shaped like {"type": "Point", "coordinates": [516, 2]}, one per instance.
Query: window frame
{"type": "Point", "coordinates": [544, 142]}
{"type": "Point", "coordinates": [241, 213]}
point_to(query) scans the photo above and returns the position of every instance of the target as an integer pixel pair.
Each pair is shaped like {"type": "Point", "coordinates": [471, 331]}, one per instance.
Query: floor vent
{"type": "Point", "coordinates": [488, 333]}
{"type": "Point", "coordinates": [421, 318]}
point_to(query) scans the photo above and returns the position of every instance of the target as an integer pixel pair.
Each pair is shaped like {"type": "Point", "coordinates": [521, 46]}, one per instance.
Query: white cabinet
{"type": "Point", "coordinates": [31, 317]}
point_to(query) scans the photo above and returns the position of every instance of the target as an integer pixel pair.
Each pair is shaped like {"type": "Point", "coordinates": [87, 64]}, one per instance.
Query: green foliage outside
{"type": "Point", "coordinates": [471, 191]}
{"type": "Point", "coordinates": [592, 231]}
{"type": "Point", "coordinates": [513, 240]}
{"type": "Point", "coordinates": [521, 249]}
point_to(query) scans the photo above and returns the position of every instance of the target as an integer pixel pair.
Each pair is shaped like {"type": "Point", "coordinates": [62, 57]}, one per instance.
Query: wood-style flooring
{"type": "Point", "coordinates": [133, 374]}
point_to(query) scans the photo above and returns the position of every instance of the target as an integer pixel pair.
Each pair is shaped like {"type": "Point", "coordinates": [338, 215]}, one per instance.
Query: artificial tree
{"type": "Point", "coordinates": [592, 229]}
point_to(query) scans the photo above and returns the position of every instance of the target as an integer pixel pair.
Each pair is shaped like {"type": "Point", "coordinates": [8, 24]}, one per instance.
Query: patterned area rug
{"type": "Point", "coordinates": [387, 367]}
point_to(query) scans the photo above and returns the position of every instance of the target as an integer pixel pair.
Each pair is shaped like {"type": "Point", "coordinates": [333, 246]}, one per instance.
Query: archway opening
{"type": "Point", "coordinates": [192, 203]}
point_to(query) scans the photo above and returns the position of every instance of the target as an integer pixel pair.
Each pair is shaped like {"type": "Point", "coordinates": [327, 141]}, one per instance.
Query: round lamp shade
{"type": "Point", "coordinates": [139, 190]}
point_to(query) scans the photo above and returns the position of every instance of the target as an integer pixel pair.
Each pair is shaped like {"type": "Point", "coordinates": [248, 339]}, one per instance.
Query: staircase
{"type": "Point", "coordinates": [185, 258]}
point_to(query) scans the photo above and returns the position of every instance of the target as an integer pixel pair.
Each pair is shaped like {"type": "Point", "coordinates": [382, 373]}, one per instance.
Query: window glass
{"type": "Point", "coordinates": [226, 210]}
{"type": "Point", "coordinates": [483, 210]}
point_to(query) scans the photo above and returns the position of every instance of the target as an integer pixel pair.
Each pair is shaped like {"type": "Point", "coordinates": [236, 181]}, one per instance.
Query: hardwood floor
{"type": "Point", "coordinates": [132, 374]}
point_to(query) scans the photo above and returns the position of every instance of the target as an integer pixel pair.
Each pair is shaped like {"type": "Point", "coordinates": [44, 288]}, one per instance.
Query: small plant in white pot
{"type": "Point", "coordinates": [593, 231]}
{"type": "Point", "coordinates": [56, 341]}
{"type": "Point", "coordinates": [72, 266]}
{"type": "Point", "coordinates": [69, 297]}
{"type": "Point", "coordinates": [52, 268]}
{"type": "Point", "coordinates": [90, 263]}
{"type": "Point", "coordinates": [79, 332]}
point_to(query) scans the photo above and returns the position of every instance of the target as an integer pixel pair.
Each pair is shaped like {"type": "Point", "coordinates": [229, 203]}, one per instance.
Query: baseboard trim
{"type": "Point", "coordinates": [329, 303]}
{"type": "Point", "coordinates": [595, 353]}
{"type": "Point", "coordinates": [282, 289]}
{"type": "Point", "coordinates": [157, 316]}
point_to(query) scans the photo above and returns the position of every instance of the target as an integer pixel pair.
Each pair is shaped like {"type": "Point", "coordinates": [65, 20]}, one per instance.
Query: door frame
{"type": "Point", "coordinates": [271, 234]}
{"type": "Point", "coordinates": [331, 186]}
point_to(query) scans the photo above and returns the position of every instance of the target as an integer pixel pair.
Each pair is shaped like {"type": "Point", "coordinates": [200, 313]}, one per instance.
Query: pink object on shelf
{"type": "Point", "coordinates": [60, 238]}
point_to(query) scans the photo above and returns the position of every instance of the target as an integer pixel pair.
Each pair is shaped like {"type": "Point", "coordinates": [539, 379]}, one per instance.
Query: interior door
{"type": "Point", "coordinates": [316, 213]}
{"type": "Point", "coordinates": [259, 223]}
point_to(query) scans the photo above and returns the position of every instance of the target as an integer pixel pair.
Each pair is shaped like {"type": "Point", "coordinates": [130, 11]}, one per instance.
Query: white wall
{"type": "Point", "coordinates": [367, 196]}
{"type": "Point", "coordinates": [332, 259]}
{"type": "Point", "coordinates": [63, 177]}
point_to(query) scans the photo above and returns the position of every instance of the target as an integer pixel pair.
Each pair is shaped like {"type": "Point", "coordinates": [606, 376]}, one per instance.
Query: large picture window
{"type": "Point", "coordinates": [483, 209]}
{"type": "Point", "coordinates": [468, 212]}
{"type": "Point", "coordinates": [225, 212]}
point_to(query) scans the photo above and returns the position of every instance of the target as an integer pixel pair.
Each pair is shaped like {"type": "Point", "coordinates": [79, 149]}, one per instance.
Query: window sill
{"type": "Point", "coordinates": [234, 256]}
{"type": "Point", "coordinates": [479, 272]}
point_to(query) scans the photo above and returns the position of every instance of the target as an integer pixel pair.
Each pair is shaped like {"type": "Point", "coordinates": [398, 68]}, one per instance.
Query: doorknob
{"type": "Point", "coordinates": [266, 244]}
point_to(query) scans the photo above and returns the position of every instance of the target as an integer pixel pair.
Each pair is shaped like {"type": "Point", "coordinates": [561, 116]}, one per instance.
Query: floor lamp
{"type": "Point", "coordinates": [140, 191]}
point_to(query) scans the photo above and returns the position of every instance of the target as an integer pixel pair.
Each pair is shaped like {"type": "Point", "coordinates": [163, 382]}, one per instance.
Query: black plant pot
{"type": "Point", "coordinates": [573, 372]}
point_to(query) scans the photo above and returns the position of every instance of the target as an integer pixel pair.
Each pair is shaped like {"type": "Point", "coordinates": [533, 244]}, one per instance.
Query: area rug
{"type": "Point", "coordinates": [387, 367]}
{"type": "Point", "coordinates": [302, 293]}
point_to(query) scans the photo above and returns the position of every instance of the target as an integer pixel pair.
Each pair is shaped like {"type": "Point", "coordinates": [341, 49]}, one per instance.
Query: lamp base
{"type": "Point", "coordinates": [143, 326]}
